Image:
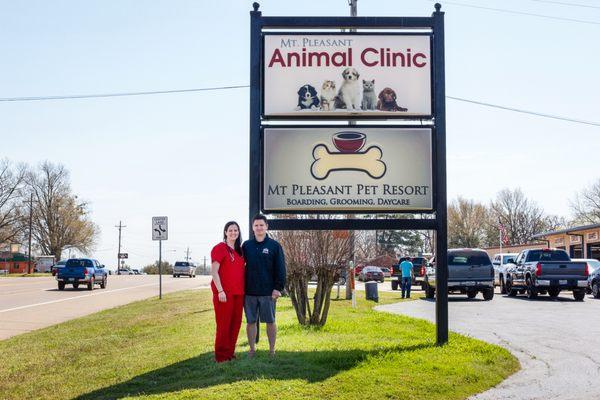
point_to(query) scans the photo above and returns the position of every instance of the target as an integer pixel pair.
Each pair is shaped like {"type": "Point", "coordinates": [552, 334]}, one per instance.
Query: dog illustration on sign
{"type": "Point", "coordinates": [348, 157]}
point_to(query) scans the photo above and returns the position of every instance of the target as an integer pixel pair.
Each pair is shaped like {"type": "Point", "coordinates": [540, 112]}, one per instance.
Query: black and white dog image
{"type": "Point", "coordinates": [328, 96]}
{"type": "Point", "coordinates": [369, 98]}
{"type": "Point", "coordinates": [349, 94]}
{"type": "Point", "coordinates": [307, 98]}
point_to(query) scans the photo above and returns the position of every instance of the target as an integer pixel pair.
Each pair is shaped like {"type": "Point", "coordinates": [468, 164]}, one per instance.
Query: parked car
{"type": "Point", "coordinates": [370, 273]}
{"type": "Point", "coordinates": [500, 261]}
{"type": "Point", "coordinates": [419, 269]}
{"type": "Point", "coordinates": [469, 271]}
{"type": "Point", "coordinates": [594, 277]}
{"type": "Point", "coordinates": [542, 271]}
{"type": "Point", "coordinates": [593, 267]}
{"type": "Point", "coordinates": [82, 271]}
{"type": "Point", "coordinates": [58, 266]}
{"type": "Point", "coordinates": [136, 271]}
{"type": "Point", "coordinates": [184, 268]}
{"type": "Point", "coordinates": [125, 271]}
{"type": "Point", "coordinates": [387, 273]}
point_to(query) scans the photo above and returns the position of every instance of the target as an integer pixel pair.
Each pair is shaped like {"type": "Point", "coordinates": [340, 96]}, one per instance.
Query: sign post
{"type": "Point", "coordinates": [160, 232]}
{"type": "Point", "coordinates": [384, 69]}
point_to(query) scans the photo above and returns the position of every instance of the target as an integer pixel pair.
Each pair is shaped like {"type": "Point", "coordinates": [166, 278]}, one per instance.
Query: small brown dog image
{"type": "Point", "coordinates": [387, 101]}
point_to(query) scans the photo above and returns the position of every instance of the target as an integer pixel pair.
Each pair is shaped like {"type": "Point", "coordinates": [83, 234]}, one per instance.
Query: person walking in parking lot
{"type": "Point", "coordinates": [407, 272]}
{"type": "Point", "coordinates": [228, 281]}
{"type": "Point", "coordinates": [265, 279]}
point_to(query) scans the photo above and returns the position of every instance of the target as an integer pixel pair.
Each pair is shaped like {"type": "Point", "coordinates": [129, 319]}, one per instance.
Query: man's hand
{"type": "Point", "coordinates": [276, 294]}
{"type": "Point", "coordinates": [222, 297]}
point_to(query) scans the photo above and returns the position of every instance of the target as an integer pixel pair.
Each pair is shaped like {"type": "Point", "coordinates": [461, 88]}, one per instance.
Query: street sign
{"type": "Point", "coordinates": [123, 255]}
{"type": "Point", "coordinates": [160, 230]}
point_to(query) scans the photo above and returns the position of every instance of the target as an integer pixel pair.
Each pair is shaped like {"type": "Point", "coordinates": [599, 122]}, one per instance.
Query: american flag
{"type": "Point", "coordinates": [503, 235]}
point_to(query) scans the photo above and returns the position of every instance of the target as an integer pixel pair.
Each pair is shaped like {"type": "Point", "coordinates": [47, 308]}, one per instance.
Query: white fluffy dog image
{"type": "Point", "coordinates": [349, 94]}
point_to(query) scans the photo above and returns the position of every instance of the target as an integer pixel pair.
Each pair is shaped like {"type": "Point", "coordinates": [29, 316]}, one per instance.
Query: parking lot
{"type": "Point", "coordinates": [556, 340]}
{"type": "Point", "coordinates": [33, 303]}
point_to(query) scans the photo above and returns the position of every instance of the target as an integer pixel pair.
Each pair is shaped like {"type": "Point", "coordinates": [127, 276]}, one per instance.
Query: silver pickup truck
{"type": "Point", "coordinates": [469, 271]}
{"type": "Point", "coordinates": [544, 271]}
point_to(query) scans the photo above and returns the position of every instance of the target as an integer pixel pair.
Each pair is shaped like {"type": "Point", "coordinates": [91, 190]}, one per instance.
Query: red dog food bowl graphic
{"type": "Point", "coordinates": [349, 142]}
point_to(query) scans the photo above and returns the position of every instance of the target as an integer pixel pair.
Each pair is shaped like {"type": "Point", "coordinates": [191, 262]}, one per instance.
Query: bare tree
{"type": "Point", "coordinates": [522, 218]}
{"type": "Point", "coordinates": [12, 180]}
{"type": "Point", "coordinates": [59, 218]}
{"type": "Point", "coordinates": [467, 223]}
{"type": "Point", "coordinates": [586, 205]}
{"type": "Point", "coordinates": [322, 254]}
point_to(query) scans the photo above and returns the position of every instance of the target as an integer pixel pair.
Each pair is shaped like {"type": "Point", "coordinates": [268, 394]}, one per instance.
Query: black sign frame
{"type": "Point", "coordinates": [435, 23]}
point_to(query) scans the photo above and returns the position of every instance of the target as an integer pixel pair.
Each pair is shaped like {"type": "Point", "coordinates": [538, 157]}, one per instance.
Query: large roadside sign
{"type": "Point", "coordinates": [351, 122]}
{"type": "Point", "coordinates": [160, 228]}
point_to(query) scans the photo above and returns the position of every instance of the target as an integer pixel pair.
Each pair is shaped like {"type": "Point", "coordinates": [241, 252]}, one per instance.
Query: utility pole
{"type": "Point", "coordinates": [120, 226]}
{"type": "Point", "coordinates": [187, 254]}
{"type": "Point", "coordinates": [350, 268]}
{"type": "Point", "coordinates": [30, 231]}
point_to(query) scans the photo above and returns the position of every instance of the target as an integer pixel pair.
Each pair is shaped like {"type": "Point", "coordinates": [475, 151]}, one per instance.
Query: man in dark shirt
{"type": "Point", "coordinates": [265, 279]}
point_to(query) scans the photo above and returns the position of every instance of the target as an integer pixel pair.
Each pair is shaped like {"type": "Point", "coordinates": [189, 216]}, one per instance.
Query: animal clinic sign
{"type": "Point", "coordinates": [347, 74]}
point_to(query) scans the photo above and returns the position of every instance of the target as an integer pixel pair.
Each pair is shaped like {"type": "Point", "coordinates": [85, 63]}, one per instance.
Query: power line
{"type": "Point", "coordinates": [558, 117]}
{"type": "Point", "coordinates": [87, 96]}
{"type": "Point", "coordinates": [522, 13]}
{"type": "Point", "coordinates": [565, 4]}
{"type": "Point", "coordinates": [101, 95]}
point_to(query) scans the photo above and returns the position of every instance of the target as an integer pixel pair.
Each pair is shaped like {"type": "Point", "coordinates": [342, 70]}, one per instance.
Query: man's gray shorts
{"type": "Point", "coordinates": [259, 305]}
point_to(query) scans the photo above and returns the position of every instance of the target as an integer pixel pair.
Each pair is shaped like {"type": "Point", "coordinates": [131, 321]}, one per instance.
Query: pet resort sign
{"type": "Point", "coordinates": [340, 75]}
{"type": "Point", "coordinates": [336, 169]}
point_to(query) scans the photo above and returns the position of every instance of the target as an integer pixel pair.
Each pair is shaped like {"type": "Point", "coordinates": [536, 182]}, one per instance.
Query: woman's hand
{"type": "Point", "coordinates": [222, 297]}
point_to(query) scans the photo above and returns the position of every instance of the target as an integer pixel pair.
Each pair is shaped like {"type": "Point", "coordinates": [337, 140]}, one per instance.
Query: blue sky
{"type": "Point", "coordinates": [185, 155]}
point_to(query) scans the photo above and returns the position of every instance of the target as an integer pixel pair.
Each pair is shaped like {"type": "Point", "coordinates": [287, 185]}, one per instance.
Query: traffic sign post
{"type": "Point", "coordinates": [123, 255]}
{"type": "Point", "coordinates": [160, 232]}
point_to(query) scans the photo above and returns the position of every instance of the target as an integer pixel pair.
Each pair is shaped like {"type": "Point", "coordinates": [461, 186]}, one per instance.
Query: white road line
{"type": "Point", "coordinates": [77, 297]}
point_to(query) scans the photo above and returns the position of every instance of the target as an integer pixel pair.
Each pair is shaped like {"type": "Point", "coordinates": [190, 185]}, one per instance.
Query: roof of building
{"type": "Point", "coordinates": [568, 230]}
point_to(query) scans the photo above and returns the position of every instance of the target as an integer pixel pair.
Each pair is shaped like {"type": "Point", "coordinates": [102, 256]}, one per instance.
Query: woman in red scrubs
{"type": "Point", "coordinates": [228, 290]}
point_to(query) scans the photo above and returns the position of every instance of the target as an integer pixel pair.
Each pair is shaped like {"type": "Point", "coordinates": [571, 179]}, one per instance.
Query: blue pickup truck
{"type": "Point", "coordinates": [82, 271]}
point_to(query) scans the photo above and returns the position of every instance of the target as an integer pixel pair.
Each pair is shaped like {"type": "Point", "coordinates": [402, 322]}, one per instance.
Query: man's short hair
{"type": "Point", "coordinates": [260, 216]}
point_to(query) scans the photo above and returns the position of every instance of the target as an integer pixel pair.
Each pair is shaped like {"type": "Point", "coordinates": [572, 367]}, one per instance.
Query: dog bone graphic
{"type": "Point", "coordinates": [368, 161]}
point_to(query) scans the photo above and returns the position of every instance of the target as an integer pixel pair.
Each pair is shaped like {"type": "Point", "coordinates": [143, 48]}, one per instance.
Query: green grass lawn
{"type": "Point", "coordinates": [163, 350]}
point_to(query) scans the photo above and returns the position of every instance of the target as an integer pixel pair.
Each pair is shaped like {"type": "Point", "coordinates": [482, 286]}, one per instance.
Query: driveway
{"type": "Point", "coordinates": [556, 341]}
{"type": "Point", "coordinates": [27, 304]}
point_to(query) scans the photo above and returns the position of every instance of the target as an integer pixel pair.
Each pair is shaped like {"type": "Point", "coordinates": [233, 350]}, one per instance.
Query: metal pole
{"type": "Point", "coordinates": [160, 269]}
{"type": "Point", "coordinates": [439, 112]}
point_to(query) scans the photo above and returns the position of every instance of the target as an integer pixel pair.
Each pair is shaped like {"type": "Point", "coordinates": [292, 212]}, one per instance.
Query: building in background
{"type": "Point", "coordinates": [579, 241]}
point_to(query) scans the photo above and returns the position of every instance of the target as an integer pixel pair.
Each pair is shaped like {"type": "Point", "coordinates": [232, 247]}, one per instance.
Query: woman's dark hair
{"type": "Point", "coordinates": [238, 242]}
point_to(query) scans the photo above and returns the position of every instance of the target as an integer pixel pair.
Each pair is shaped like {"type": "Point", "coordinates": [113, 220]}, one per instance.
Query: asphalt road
{"type": "Point", "coordinates": [556, 341]}
{"type": "Point", "coordinates": [27, 304]}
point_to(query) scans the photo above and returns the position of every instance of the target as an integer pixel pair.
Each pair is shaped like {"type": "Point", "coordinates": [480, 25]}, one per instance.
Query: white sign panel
{"type": "Point", "coordinates": [347, 75]}
{"type": "Point", "coordinates": [574, 239]}
{"type": "Point", "coordinates": [160, 228]}
{"type": "Point", "coordinates": [354, 169]}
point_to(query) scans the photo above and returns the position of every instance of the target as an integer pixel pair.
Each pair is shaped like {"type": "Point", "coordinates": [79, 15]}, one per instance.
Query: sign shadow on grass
{"type": "Point", "coordinates": [202, 372]}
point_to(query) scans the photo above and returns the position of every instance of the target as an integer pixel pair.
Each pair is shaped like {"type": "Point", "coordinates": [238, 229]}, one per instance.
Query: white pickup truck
{"type": "Point", "coordinates": [184, 268]}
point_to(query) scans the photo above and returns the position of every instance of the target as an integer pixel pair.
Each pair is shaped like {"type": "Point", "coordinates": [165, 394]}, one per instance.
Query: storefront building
{"type": "Point", "coordinates": [14, 263]}
{"type": "Point", "coordinates": [579, 241]}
